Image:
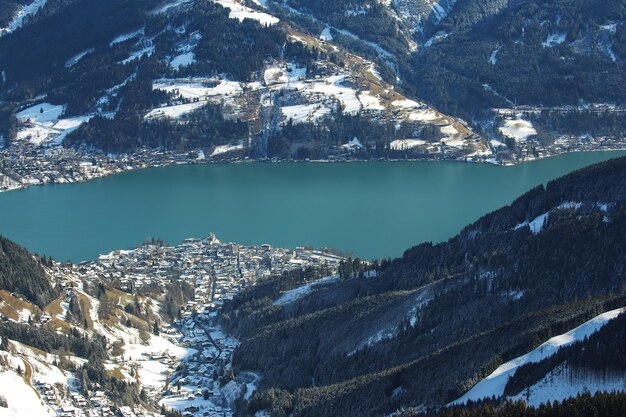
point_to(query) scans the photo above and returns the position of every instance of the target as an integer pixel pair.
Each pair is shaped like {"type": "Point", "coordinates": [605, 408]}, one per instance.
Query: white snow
{"type": "Point", "coordinates": [333, 86]}
{"type": "Point", "coordinates": [22, 399]}
{"type": "Point", "coordinates": [422, 115]}
{"type": "Point", "coordinates": [197, 89]}
{"type": "Point", "coordinates": [405, 104]}
{"type": "Point", "coordinates": [560, 384]}
{"type": "Point", "coordinates": [44, 125]}
{"type": "Point", "coordinates": [610, 27]}
{"type": "Point", "coordinates": [326, 35]}
{"type": "Point", "coordinates": [355, 143]}
{"type": "Point", "coordinates": [438, 11]}
{"type": "Point", "coordinates": [403, 144]}
{"type": "Point", "coordinates": [241, 12]}
{"type": "Point", "coordinates": [494, 384]}
{"type": "Point", "coordinates": [293, 76]}
{"type": "Point", "coordinates": [219, 150]}
{"type": "Point", "coordinates": [183, 60]}
{"type": "Point", "coordinates": [290, 296]}
{"type": "Point", "coordinates": [126, 36]}
{"type": "Point", "coordinates": [76, 58]}
{"type": "Point", "coordinates": [370, 102]}
{"type": "Point", "coordinates": [23, 15]}
{"type": "Point", "coordinates": [175, 111]}
{"type": "Point", "coordinates": [493, 58]}
{"type": "Point", "coordinates": [518, 129]}
{"type": "Point", "coordinates": [274, 76]}
{"type": "Point", "coordinates": [535, 225]}
{"type": "Point", "coordinates": [305, 112]}
{"type": "Point", "coordinates": [147, 51]}
{"type": "Point", "coordinates": [554, 39]}
{"type": "Point", "coordinates": [171, 5]}
{"type": "Point", "coordinates": [497, 144]}
{"type": "Point", "coordinates": [41, 113]}
{"type": "Point", "coordinates": [452, 137]}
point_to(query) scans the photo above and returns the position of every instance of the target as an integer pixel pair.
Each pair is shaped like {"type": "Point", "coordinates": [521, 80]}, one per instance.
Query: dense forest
{"type": "Point", "coordinates": [565, 47]}
{"type": "Point", "coordinates": [601, 404]}
{"type": "Point", "coordinates": [368, 19]}
{"type": "Point", "coordinates": [433, 323]}
{"type": "Point", "coordinates": [22, 273]}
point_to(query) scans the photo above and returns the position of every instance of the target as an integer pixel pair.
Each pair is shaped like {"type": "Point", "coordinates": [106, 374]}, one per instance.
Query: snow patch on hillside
{"type": "Point", "coordinates": [538, 223]}
{"type": "Point", "coordinates": [560, 384]}
{"type": "Point", "coordinates": [22, 16]}
{"type": "Point", "coordinates": [404, 144]}
{"type": "Point", "coordinates": [422, 115]}
{"type": "Point", "coordinates": [183, 60]}
{"type": "Point", "coordinates": [76, 58]}
{"type": "Point", "coordinates": [220, 150]}
{"type": "Point", "coordinates": [554, 39]}
{"type": "Point", "coordinates": [326, 35]}
{"type": "Point", "coordinates": [240, 12]}
{"type": "Point", "coordinates": [146, 51]}
{"type": "Point", "coordinates": [198, 89]}
{"type": "Point", "coordinates": [493, 58]}
{"type": "Point", "coordinates": [126, 36]}
{"type": "Point", "coordinates": [305, 112]}
{"type": "Point", "coordinates": [535, 225]}
{"type": "Point", "coordinates": [405, 104]}
{"type": "Point", "coordinates": [41, 113]}
{"type": "Point", "coordinates": [494, 384]}
{"type": "Point", "coordinates": [40, 124]}
{"type": "Point", "coordinates": [370, 102]}
{"type": "Point", "coordinates": [518, 129]}
{"type": "Point", "coordinates": [175, 111]}
{"type": "Point", "coordinates": [290, 296]}
{"type": "Point", "coordinates": [333, 86]}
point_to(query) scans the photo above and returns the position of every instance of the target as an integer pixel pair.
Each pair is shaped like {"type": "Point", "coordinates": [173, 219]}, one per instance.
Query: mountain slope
{"type": "Point", "coordinates": [223, 79]}
{"type": "Point", "coordinates": [529, 52]}
{"type": "Point", "coordinates": [21, 273]}
{"type": "Point", "coordinates": [424, 328]}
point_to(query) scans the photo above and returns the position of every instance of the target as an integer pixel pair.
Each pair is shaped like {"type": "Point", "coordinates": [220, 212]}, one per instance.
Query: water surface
{"type": "Point", "coordinates": [373, 209]}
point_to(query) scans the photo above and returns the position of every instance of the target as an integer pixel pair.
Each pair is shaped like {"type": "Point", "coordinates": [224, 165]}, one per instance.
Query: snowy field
{"type": "Point", "coordinates": [241, 12]}
{"type": "Point", "coordinates": [42, 124]}
{"type": "Point", "coordinates": [518, 129]}
{"type": "Point", "coordinates": [305, 112]}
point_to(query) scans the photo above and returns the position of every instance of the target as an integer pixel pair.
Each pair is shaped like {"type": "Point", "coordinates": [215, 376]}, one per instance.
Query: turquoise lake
{"type": "Point", "coordinates": [372, 209]}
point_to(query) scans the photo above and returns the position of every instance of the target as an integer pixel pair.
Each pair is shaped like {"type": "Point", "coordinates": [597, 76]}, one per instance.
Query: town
{"type": "Point", "coordinates": [186, 365]}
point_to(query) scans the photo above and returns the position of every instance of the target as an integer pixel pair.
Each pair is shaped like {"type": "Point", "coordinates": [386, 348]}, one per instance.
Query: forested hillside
{"type": "Point", "coordinates": [21, 273]}
{"type": "Point", "coordinates": [530, 52]}
{"type": "Point", "coordinates": [600, 404]}
{"type": "Point", "coordinates": [424, 328]}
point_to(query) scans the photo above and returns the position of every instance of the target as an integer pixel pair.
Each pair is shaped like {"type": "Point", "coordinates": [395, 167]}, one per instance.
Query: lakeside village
{"type": "Point", "coordinates": [24, 163]}
{"type": "Point", "coordinates": [187, 367]}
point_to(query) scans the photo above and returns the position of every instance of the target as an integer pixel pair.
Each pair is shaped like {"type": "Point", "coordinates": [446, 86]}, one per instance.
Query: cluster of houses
{"type": "Point", "coordinates": [196, 386]}
{"type": "Point", "coordinates": [24, 163]}
{"type": "Point", "coordinates": [69, 403]}
{"type": "Point", "coordinates": [217, 270]}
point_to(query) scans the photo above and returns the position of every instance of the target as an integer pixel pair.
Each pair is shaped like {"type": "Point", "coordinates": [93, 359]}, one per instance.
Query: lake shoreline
{"type": "Point", "coordinates": [142, 165]}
